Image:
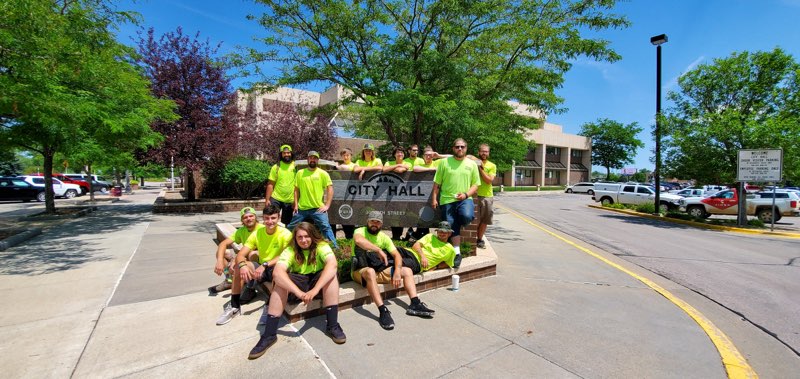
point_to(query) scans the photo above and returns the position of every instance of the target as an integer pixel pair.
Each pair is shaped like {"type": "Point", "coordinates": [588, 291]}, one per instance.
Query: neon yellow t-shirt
{"type": "Point", "coordinates": [283, 176]}
{"type": "Point", "coordinates": [414, 161]}
{"type": "Point", "coordinates": [436, 251]}
{"type": "Point", "coordinates": [349, 166]}
{"type": "Point", "coordinates": [269, 246]}
{"type": "Point", "coordinates": [454, 177]}
{"type": "Point", "coordinates": [394, 162]}
{"type": "Point", "coordinates": [484, 189]}
{"type": "Point", "coordinates": [372, 163]}
{"type": "Point", "coordinates": [312, 185]}
{"type": "Point", "coordinates": [242, 234]}
{"type": "Point", "coordinates": [287, 258]}
{"type": "Point", "coordinates": [380, 240]}
{"type": "Point", "coordinates": [434, 164]}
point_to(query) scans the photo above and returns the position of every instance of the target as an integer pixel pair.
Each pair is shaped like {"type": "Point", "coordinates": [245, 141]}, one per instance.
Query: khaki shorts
{"type": "Point", "coordinates": [383, 277]}
{"type": "Point", "coordinates": [486, 210]}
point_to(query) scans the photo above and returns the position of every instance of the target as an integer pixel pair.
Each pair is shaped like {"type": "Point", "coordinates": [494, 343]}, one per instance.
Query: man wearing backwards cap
{"type": "Point", "coordinates": [280, 185]}
{"type": "Point", "coordinates": [310, 185]}
{"type": "Point", "coordinates": [433, 251]}
{"type": "Point", "coordinates": [370, 240]}
{"type": "Point", "coordinates": [225, 249]}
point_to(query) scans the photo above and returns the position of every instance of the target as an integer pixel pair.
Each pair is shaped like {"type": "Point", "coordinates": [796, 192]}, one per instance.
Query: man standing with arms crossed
{"type": "Point", "coordinates": [487, 171]}
{"type": "Point", "coordinates": [311, 184]}
{"type": "Point", "coordinates": [454, 184]}
{"type": "Point", "coordinates": [280, 187]}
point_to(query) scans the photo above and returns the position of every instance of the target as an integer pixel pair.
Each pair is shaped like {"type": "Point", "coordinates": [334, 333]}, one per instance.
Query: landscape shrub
{"type": "Point", "coordinates": [244, 177]}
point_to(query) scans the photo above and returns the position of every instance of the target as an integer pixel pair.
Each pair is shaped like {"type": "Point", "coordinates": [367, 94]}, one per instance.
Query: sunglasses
{"type": "Point", "coordinates": [459, 147]}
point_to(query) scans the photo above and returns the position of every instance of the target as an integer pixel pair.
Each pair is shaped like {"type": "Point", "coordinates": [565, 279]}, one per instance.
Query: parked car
{"type": "Point", "coordinates": [727, 203]}
{"type": "Point", "coordinates": [693, 192]}
{"type": "Point", "coordinates": [634, 194]}
{"type": "Point", "coordinates": [81, 183]}
{"type": "Point", "coordinates": [14, 188]}
{"type": "Point", "coordinates": [60, 189]}
{"type": "Point", "coordinates": [98, 182]}
{"type": "Point", "coordinates": [582, 187]}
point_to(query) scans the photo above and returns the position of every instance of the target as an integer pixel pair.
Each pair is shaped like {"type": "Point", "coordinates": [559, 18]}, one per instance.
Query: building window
{"type": "Point", "coordinates": [553, 150]}
{"type": "Point", "coordinates": [577, 153]}
{"type": "Point", "coordinates": [552, 174]}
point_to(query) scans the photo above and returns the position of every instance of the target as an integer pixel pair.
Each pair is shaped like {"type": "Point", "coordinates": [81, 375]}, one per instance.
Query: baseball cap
{"type": "Point", "coordinates": [246, 210]}
{"type": "Point", "coordinates": [286, 148]}
{"type": "Point", "coordinates": [375, 215]}
{"type": "Point", "coordinates": [313, 153]}
{"type": "Point", "coordinates": [444, 226]}
{"type": "Point", "coordinates": [369, 146]}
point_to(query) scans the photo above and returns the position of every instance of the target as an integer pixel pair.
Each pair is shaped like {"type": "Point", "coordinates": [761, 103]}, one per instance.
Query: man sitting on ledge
{"type": "Point", "coordinates": [434, 251]}
{"type": "Point", "coordinates": [269, 242]}
{"type": "Point", "coordinates": [225, 249]}
{"type": "Point", "coordinates": [372, 246]}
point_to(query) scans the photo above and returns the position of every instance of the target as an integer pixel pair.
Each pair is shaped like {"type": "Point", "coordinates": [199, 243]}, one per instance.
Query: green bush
{"type": "Point", "coordinates": [756, 222]}
{"type": "Point", "coordinates": [245, 177]}
{"type": "Point", "coordinates": [615, 206]}
{"type": "Point", "coordinates": [648, 208]}
{"type": "Point", "coordinates": [134, 182]}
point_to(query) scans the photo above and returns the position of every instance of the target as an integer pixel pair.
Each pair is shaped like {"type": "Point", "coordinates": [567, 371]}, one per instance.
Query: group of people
{"type": "Point", "coordinates": [298, 257]}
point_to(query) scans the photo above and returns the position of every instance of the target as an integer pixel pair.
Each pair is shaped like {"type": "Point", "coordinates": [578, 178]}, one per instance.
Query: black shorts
{"type": "Point", "coordinates": [266, 276]}
{"type": "Point", "coordinates": [305, 282]}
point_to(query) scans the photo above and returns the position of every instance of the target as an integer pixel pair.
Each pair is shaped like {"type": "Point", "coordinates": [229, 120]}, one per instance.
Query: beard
{"type": "Point", "coordinates": [373, 230]}
{"type": "Point", "coordinates": [312, 164]}
{"type": "Point", "coordinates": [460, 153]}
{"type": "Point", "coordinates": [287, 159]}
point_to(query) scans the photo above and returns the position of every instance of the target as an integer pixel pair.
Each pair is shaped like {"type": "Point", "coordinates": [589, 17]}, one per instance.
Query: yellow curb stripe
{"type": "Point", "coordinates": [735, 364]}
{"type": "Point", "coordinates": [697, 224]}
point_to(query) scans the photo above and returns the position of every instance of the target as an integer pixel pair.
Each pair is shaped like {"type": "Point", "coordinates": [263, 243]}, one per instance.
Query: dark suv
{"type": "Point", "coordinates": [13, 188]}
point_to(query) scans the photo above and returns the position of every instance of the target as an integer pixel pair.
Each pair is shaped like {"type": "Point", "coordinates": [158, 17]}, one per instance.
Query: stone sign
{"type": "Point", "coordinates": [404, 199]}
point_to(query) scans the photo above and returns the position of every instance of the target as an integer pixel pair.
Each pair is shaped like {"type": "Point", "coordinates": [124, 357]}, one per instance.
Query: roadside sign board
{"type": "Point", "coordinates": [763, 165]}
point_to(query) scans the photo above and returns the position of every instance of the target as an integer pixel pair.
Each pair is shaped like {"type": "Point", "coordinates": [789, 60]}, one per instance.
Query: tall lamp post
{"type": "Point", "coordinates": [658, 41]}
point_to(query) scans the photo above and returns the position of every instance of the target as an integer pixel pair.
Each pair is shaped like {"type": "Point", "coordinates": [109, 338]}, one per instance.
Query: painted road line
{"type": "Point", "coordinates": [735, 364]}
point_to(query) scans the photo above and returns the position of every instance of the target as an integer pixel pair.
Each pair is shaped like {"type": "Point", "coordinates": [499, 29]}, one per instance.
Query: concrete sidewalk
{"type": "Point", "coordinates": [124, 294]}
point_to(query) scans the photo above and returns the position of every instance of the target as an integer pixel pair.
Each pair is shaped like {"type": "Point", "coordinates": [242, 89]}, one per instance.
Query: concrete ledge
{"type": "Point", "coordinates": [352, 294]}
{"type": "Point", "coordinates": [20, 237]}
{"type": "Point", "coordinates": [167, 202]}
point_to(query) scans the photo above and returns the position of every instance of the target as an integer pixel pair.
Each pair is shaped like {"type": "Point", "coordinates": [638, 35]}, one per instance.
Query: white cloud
{"type": "Point", "coordinates": [603, 67]}
{"type": "Point", "coordinates": [672, 83]}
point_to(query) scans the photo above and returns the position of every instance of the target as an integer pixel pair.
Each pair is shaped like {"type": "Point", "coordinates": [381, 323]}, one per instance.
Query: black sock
{"type": "Point", "coordinates": [415, 301]}
{"type": "Point", "coordinates": [383, 309]}
{"type": "Point", "coordinates": [332, 313]}
{"type": "Point", "coordinates": [235, 301]}
{"type": "Point", "coordinates": [271, 327]}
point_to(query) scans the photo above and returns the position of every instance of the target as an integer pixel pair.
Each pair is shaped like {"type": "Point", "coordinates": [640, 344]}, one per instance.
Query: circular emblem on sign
{"type": "Point", "coordinates": [345, 211]}
{"type": "Point", "coordinates": [426, 214]}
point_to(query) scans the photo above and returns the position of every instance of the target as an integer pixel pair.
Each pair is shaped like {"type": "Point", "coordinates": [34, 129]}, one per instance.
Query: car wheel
{"type": "Point", "coordinates": [696, 211]}
{"type": "Point", "coordinates": [70, 194]}
{"type": "Point", "coordinates": [765, 215]}
{"type": "Point", "coordinates": [40, 197]}
{"type": "Point", "coordinates": [569, 190]}
{"type": "Point", "coordinates": [104, 190]}
{"type": "Point", "coordinates": [590, 192]}
{"type": "Point", "coordinates": [606, 201]}
{"type": "Point", "coordinates": [663, 208]}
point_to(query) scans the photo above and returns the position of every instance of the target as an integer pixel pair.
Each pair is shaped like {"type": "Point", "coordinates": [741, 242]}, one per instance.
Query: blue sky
{"type": "Point", "coordinates": [698, 31]}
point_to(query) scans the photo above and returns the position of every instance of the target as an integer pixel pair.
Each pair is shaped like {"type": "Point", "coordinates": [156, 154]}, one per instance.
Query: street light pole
{"type": "Point", "coordinates": [658, 41]}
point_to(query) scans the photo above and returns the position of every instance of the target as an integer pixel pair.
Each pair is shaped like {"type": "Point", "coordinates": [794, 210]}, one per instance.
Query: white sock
{"type": "Point", "coordinates": [458, 250]}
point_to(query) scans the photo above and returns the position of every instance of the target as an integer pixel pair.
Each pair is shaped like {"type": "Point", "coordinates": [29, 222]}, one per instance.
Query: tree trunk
{"type": "Point", "coordinates": [189, 186]}
{"type": "Point", "coordinates": [91, 182]}
{"type": "Point", "coordinates": [608, 173]}
{"type": "Point", "coordinates": [49, 198]}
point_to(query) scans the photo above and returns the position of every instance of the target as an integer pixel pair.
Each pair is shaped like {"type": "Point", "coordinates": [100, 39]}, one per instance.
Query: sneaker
{"type": "Point", "coordinates": [481, 244]}
{"type": "Point", "coordinates": [224, 286]}
{"type": "Point", "coordinates": [424, 307]}
{"type": "Point", "coordinates": [419, 310]}
{"type": "Point", "coordinates": [336, 333]}
{"type": "Point", "coordinates": [386, 320]}
{"type": "Point", "coordinates": [248, 294]}
{"type": "Point", "coordinates": [228, 315]}
{"type": "Point", "coordinates": [261, 347]}
{"type": "Point", "coordinates": [457, 261]}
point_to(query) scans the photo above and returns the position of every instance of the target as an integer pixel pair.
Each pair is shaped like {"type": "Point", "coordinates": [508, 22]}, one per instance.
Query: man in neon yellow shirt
{"type": "Point", "coordinates": [347, 165]}
{"type": "Point", "coordinates": [454, 184]}
{"type": "Point", "coordinates": [370, 240]}
{"type": "Point", "coordinates": [313, 194]}
{"type": "Point", "coordinates": [280, 185]}
{"type": "Point", "coordinates": [428, 164]}
{"type": "Point", "coordinates": [398, 165]}
{"type": "Point", "coordinates": [487, 171]}
{"type": "Point", "coordinates": [368, 161]}
{"type": "Point", "coordinates": [433, 251]}
{"type": "Point", "coordinates": [226, 250]}
{"type": "Point", "coordinates": [267, 242]}
{"type": "Point", "coordinates": [306, 269]}
{"type": "Point", "coordinates": [413, 158]}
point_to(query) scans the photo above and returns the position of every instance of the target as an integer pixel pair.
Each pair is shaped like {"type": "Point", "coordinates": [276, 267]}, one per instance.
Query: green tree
{"type": "Point", "coordinates": [427, 72]}
{"type": "Point", "coordinates": [744, 101]}
{"type": "Point", "coordinates": [613, 143]}
{"type": "Point", "coordinates": [64, 79]}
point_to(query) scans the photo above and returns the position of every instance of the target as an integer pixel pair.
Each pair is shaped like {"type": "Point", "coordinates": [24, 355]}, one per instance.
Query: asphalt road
{"type": "Point", "coordinates": [752, 277]}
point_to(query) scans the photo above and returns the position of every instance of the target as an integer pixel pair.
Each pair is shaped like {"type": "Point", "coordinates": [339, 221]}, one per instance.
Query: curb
{"type": "Point", "coordinates": [37, 217]}
{"type": "Point", "coordinates": [19, 238]}
{"type": "Point", "coordinates": [697, 224]}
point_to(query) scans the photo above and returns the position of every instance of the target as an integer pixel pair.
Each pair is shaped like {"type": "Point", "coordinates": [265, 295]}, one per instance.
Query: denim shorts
{"type": "Point", "coordinates": [459, 214]}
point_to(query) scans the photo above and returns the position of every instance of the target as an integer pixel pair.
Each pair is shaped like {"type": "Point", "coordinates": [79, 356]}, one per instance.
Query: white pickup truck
{"type": "Point", "coordinates": [633, 193]}
{"type": "Point", "coordinates": [759, 205]}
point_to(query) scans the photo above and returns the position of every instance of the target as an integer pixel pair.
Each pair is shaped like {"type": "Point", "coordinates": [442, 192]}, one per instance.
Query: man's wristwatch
{"type": "Point", "coordinates": [265, 264]}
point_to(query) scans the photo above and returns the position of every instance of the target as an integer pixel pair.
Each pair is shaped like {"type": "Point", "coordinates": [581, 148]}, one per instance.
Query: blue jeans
{"type": "Point", "coordinates": [458, 214]}
{"type": "Point", "coordinates": [320, 220]}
